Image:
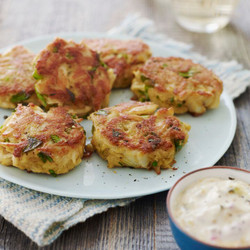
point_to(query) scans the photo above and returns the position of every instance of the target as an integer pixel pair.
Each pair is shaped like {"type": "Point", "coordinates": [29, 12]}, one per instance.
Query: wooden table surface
{"type": "Point", "coordinates": [143, 224]}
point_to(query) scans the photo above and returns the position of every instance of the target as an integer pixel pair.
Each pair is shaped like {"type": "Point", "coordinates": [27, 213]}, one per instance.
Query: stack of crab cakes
{"type": "Point", "coordinates": [178, 83]}
{"type": "Point", "coordinates": [40, 142]}
{"type": "Point", "coordinates": [72, 76]}
{"type": "Point", "coordinates": [123, 56]}
{"type": "Point", "coordinates": [139, 135]}
{"type": "Point", "coordinates": [16, 81]}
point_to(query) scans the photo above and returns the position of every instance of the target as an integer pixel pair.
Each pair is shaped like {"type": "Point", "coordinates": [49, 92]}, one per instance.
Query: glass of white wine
{"type": "Point", "coordinates": [203, 15]}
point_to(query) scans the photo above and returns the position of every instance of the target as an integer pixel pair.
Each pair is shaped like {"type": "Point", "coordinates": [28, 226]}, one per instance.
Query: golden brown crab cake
{"type": "Point", "coordinates": [71, 75]}
{"type": "Point", "coordinates": [179, 83]}
{"type": "Point", "coordinates": [124, 56]}
{"type": "Point", "coordinates": [139, 135]}
{"type": "Point", "coordinates": [16, 81]}
{"type": "Point", "coordinates": [51, 143]}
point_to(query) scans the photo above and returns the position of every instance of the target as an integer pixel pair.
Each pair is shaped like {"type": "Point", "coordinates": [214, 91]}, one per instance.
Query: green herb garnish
{"type": "Point", "coordinates": [147, 87]}
{"type": "Point", "coordinates": [52, 172]}
{"type": "Point", "coordinates": [32, 144]}
{"type": "Point", "coordinates": [104, 64]}
{"type": "Point", "coordinates": [125, 56]}
{"type": "Point", "coordinates": [19, 97]}
{"type": "Point", "coordinates": [69, 56]}
{"type": "Point", "coordinates": [164, 65]}
{"type": "Point", "coordinates": [179, 105]}
{"type": "Point", "coordinates": [1, 126]}
{"type": "Point", "coordinates": [144, 78]}
{"type": "Point", "coordinates": [142, 99]}
{"type": "Point", "coordinates": [67, 130]}
{"type": "Point", "coordinates": [36, 75]}
{"type": "Point", "coordinates": [172, 99]}
{"type": "Point", "coordinates": [188, 74]}
{"type": "Point", "coordinates": [93, 69]}
{"type": "Point", "coordinates": [6, 140]}
{"type": "Point", "coordinates": [74, 116]}
{"type": "Point", "coordinates": [44, 157]}
{"type": "Point", "coordinates": [55, 50]}
{"type": "Point", "coordinates": [178, 144]}
{"type": "Point", "coordinates": [41, 97]}
{"type": "Point", "coordinates": [145, 93]}
{"type": "Point", "coordinates": [154, 163]}
{"type": "Point", "coordinates": [55, 138]}
{"type": "Point", "coordinates": [120, 164]}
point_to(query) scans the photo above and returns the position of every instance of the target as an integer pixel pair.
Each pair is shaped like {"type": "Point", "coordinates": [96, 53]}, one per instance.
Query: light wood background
{"type": "Point", "coordinates": [143, 224]}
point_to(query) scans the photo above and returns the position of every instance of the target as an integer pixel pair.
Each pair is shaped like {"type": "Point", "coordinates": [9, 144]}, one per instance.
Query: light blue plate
{"type": "Point", "coordinates": [210, 136]}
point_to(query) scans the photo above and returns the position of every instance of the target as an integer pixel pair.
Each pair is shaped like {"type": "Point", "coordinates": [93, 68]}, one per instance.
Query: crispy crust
{"type": "Point", "coordinates": [30, 124]}
{"type": "Point", "coordinates": [124, 56]}
{"type": "Point", "coordinates": [16, 77]}
{"type": "Point", "coordinates": [179, 83]}
{"type": "Point", "coordinates": [137, 134]}
{"type": "Point", "coordinates": [72, 76]}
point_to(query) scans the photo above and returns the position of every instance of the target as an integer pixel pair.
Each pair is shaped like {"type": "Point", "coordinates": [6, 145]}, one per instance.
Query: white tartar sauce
{"type": "Point", "coordinates": [216, 211]}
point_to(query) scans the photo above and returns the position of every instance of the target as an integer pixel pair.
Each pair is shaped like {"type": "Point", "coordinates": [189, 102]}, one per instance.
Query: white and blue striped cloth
{"type": "Point", "coordinates": [43, 217]}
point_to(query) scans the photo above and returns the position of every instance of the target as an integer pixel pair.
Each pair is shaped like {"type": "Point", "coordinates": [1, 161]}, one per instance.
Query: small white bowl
{"type": "Point", "coordinates": [184, 239]}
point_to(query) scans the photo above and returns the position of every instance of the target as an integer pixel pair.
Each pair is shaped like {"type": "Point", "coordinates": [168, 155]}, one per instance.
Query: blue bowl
{"type": "Point", "coordinates": [185, 240]}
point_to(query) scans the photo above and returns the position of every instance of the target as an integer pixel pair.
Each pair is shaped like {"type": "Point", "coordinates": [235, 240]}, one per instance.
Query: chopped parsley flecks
{"type": "Point", "coordinates": [67, 130]}
{"type": "Point", "coordinates": [188, 74]}
{"type": "Point", "coordinates": [144, 78]}
{"type": "Point", "coordinates": [55, 138]}
{"type": "Point", "coordinates": [74, 116]}
{"type": "Point", "coordinates": [19, 97]}
{"type": "Point", "coordinates": [103, 64]}
{"type": "Point", "coordinates": [154, 163]}
{"type": "Point", "coordinates": [55, 50]}
{"type": "Point", "coordinates": [44, 157]}
{"type": "Point", "coordinates": [41, 97]}
{"type": "Point", "coordinates": [36, 75]}
{"type": "Point", "coordinates": [178, 144]}
{"type": "Point", "coordinates": [52, 173]}
{"type": "Point", "coordinates": [69, 56]}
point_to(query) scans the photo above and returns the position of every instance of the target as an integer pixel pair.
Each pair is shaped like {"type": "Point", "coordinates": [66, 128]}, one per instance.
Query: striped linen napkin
{"type": "Point", "coordinates": [43, 217]}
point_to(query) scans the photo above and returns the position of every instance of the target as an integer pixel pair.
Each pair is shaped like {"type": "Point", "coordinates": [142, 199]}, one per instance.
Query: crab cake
{"type": "Point", "coordinates": [139, 135]}
{"type": "Point", "coordinates": [71, 75]}
{"type": "Point", "coordinates": [51, 143]}
{"type": "Point", "coordinates": [179, 83]}
{"type": "Point", "coordinates": [124, 56]}
{"type": "Point", "coordinates": [16, 81]}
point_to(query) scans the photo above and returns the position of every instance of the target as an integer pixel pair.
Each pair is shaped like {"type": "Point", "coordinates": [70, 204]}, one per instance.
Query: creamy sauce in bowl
{"type": "Point", "coordinates": [216, 211]}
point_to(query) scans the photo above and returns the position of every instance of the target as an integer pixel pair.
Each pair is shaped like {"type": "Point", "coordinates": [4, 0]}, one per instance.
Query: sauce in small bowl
{"type": "Point", "coordinates": [210, 209]}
